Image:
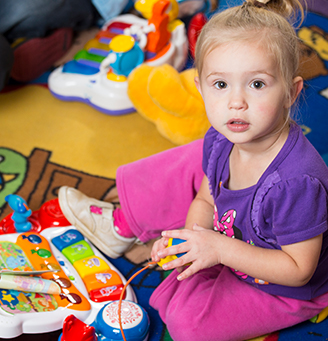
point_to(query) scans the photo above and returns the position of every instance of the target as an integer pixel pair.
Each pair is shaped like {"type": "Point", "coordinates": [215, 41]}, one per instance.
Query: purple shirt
{"type": "Point", "coordinates": [286, 206]}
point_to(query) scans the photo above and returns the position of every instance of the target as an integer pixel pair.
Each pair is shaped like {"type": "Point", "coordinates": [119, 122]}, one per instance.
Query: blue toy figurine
{"type": "Point", "coordinates": [125, 55]}
{"type": "Point", "coordinates": [21, 212]}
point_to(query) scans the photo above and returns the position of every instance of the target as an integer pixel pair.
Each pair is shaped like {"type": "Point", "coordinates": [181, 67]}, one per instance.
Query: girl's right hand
{"type": "Point", "coordinates": [159, 245]}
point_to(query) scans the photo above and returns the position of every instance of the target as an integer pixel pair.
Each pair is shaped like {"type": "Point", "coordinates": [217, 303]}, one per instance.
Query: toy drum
{"type": "Point", "coordinates": [135, 321]}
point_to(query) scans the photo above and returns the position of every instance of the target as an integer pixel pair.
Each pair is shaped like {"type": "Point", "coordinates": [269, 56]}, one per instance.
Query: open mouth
{"type": "Point", "coordinates": [237, 122]}
{"type": "Point", "coordinates": [237, 125]}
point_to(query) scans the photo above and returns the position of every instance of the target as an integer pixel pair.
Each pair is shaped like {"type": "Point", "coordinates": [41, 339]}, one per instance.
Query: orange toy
{"type": "Point", "coordinates": [160, 20]}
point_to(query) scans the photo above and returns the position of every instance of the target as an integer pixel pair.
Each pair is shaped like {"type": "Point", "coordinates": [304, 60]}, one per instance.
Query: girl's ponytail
{"type": "Point", "coordinates": [287, 8]}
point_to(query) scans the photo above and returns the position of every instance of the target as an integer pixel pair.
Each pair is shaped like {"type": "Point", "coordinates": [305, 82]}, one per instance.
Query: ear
{"type": "Point", "coordinates": [296, 89]}
{"type": "Point", "coordinates": [197, 83]}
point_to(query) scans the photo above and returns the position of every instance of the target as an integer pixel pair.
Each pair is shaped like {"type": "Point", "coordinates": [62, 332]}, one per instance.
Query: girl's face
{"type": "Point", "coordinates": [244, 93]}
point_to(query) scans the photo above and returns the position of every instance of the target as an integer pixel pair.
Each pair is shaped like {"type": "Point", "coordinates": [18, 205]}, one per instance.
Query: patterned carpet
{"type": "Point", "coordinates": [46, 143]}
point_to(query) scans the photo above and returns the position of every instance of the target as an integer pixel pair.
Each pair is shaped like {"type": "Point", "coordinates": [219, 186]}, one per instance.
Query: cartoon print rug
{"type": "Point", "coordinates": [46, 143]}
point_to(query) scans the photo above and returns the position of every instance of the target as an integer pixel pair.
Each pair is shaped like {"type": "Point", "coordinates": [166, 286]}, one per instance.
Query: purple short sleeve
{"type": "Point", "coordinates": [296, 209]}
{"type": "Point", "coordinates": [207, 147]}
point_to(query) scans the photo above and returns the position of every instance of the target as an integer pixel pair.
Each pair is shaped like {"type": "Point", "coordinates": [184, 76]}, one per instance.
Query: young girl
{"type": "Point", "coordinates": [263, 266]}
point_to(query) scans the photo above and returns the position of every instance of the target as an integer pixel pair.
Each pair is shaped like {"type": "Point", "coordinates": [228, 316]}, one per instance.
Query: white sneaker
{"type": "Point", "coordinates": [94, 219]}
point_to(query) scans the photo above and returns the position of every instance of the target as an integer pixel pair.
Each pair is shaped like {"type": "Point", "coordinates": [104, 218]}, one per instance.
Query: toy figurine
{"type": "Point", "coordinates": [21, 212]}
{"type": "Point", "coordinates": [125, 55]}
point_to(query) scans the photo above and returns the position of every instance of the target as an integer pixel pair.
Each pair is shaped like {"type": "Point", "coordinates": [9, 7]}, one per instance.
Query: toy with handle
{"type": "Point", "coordinates": [172, 242]}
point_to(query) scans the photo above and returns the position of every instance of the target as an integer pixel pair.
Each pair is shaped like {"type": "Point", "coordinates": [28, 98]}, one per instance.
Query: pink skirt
{"type": "Point", "coordinates": [215, 305]}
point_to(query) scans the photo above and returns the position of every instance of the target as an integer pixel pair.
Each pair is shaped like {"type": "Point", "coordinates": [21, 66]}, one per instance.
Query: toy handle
{"type": "Point", "coordinates": [140, 33]}
{"type": "Point", "coordinates": [111, 58]}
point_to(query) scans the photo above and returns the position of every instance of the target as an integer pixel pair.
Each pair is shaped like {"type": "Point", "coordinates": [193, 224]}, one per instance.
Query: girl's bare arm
{"type": "Point", "coordinates": [293, 265]}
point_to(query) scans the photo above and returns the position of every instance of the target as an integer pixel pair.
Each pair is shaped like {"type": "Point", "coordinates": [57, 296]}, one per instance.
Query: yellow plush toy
{"type": "Point", "coordinates": [170, 100]}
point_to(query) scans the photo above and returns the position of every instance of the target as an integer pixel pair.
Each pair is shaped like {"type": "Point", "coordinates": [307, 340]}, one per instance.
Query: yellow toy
{"type": "Point", "coordinates": [321, 316]}
{"type": "Point", "coordinates": [145, 7]}
{"type": "Point", "coordinates": [170, 100]}
{"type": "Point", "coordinates": [172, 242]}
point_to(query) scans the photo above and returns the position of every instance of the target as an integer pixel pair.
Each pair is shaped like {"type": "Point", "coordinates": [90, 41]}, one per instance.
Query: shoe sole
{"type": "Point", "coordinates": [62, 199]}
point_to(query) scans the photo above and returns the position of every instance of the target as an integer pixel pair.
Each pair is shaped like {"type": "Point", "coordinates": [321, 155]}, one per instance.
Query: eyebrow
{"type": "Point", "coordinates": [255, 72]}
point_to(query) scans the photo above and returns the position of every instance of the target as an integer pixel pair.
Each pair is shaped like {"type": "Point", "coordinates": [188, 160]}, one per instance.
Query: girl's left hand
{"type": "Point", "coordinates": [201, 248]}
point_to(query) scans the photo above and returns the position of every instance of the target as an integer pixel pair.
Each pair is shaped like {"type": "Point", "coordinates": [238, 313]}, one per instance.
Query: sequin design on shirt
{"type": "Point", "coordinates": [226, 226]}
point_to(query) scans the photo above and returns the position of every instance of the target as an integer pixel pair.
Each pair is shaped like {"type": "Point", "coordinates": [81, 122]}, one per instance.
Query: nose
{"type": "Point", "coordinates": [237, 100]}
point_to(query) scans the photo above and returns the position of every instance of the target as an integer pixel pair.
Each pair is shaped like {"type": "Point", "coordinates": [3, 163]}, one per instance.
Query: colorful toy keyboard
{"type": "Point", "coordinates": [83, 79]}
{"type": "Point", "coordinates": [87, 280]}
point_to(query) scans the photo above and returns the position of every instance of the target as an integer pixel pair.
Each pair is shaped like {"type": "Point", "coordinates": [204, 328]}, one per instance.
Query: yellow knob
{"type": "Point", "coordinates": [121, 43]}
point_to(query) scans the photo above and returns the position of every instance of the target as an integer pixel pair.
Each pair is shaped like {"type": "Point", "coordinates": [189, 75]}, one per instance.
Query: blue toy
{"type": "Point", "coordinates": [21, 212]}
{"type": "Point", "coordinates": [124, 56]}
{"type": "Point", "coordinates": [106, 325]}
{"type": "Point", "coordinates": [172, 242]}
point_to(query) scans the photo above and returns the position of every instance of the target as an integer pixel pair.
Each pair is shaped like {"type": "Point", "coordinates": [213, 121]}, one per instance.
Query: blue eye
{"type": "Point", "coordinates": [220, 85]}
{"type": "Point", "coordinates": [257, 85]}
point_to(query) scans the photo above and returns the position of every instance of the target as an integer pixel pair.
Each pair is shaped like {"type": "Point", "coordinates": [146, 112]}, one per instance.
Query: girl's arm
{"type": "Point", "coordinates": [201, 209]}
{"type": "Point", "coordinates": [294, 265]}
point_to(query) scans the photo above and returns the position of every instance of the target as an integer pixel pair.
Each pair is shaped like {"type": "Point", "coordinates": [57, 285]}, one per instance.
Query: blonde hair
{"type": "Point", "coordinates": [268, 22]}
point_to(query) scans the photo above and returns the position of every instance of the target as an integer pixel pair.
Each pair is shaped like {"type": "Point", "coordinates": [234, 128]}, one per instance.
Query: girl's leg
{"type": "Point", "coordinates": [155, 193]}
{"type": "Point", "coordinates": [216, 305]}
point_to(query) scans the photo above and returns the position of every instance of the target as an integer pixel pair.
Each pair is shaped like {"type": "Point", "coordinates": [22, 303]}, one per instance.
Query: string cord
{"type": "Point", "coordinates": [122, 294]}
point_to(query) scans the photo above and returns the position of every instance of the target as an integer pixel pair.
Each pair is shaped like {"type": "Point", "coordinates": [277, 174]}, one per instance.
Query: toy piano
{"type": "Point", "coordinates": [88, 281]}
{"type": "Point", "coordinates": [98, 74]}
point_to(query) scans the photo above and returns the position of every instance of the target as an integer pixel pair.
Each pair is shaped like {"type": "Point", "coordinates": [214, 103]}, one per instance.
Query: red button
{"type": "Point", "coordinates": [110, 293]}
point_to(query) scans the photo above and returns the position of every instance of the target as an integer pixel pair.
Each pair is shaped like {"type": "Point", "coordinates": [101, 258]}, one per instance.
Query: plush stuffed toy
{"type": "Point", "coordinates": [170, 100]}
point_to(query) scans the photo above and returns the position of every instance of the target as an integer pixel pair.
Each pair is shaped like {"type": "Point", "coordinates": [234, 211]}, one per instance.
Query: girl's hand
{"type": "Point", "coordinates": [159, 245]}
{"type": "Point", "coordinates": [201, 248]}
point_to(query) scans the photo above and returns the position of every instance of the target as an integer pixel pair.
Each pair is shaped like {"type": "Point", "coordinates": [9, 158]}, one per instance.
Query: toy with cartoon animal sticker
{"type": "Point", "coordinates": [87, 280]}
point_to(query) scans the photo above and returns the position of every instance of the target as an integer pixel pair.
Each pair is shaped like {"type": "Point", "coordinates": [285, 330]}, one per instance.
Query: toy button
{"type": "Point", "coordinates": [122, 43]}
{"type": "Point", "coordinates": [77, 251]}
{"type": "Point", "coordinates": [43, 253]}
{"type": "Point", "coordinates": [66, 239]}
{"type": "Point", "coordinates": [135, 321]}
{"type": "Point", "coordinates": [111, 293]}
{"type": "Point", "coordinates": [90, 266]}
{"type": "Point", "coordinates": [33, 238]}
{"type": "Point", "coordinates": [102, 280]}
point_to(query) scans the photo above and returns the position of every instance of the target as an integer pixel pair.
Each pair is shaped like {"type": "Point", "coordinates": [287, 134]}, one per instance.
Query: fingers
{"type": "Point", "coordinates": [173, 250]}
{"type": "Point", "coordinates": [189, 271]}
{"type": "Point", "coordinates": [158, 245]}
{"type": "Point", "coordinates": [180, 234]}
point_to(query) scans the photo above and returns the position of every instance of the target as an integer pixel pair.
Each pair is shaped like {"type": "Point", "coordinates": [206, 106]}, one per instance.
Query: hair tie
{"type": "Point", "coordinates": [256, 3]}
